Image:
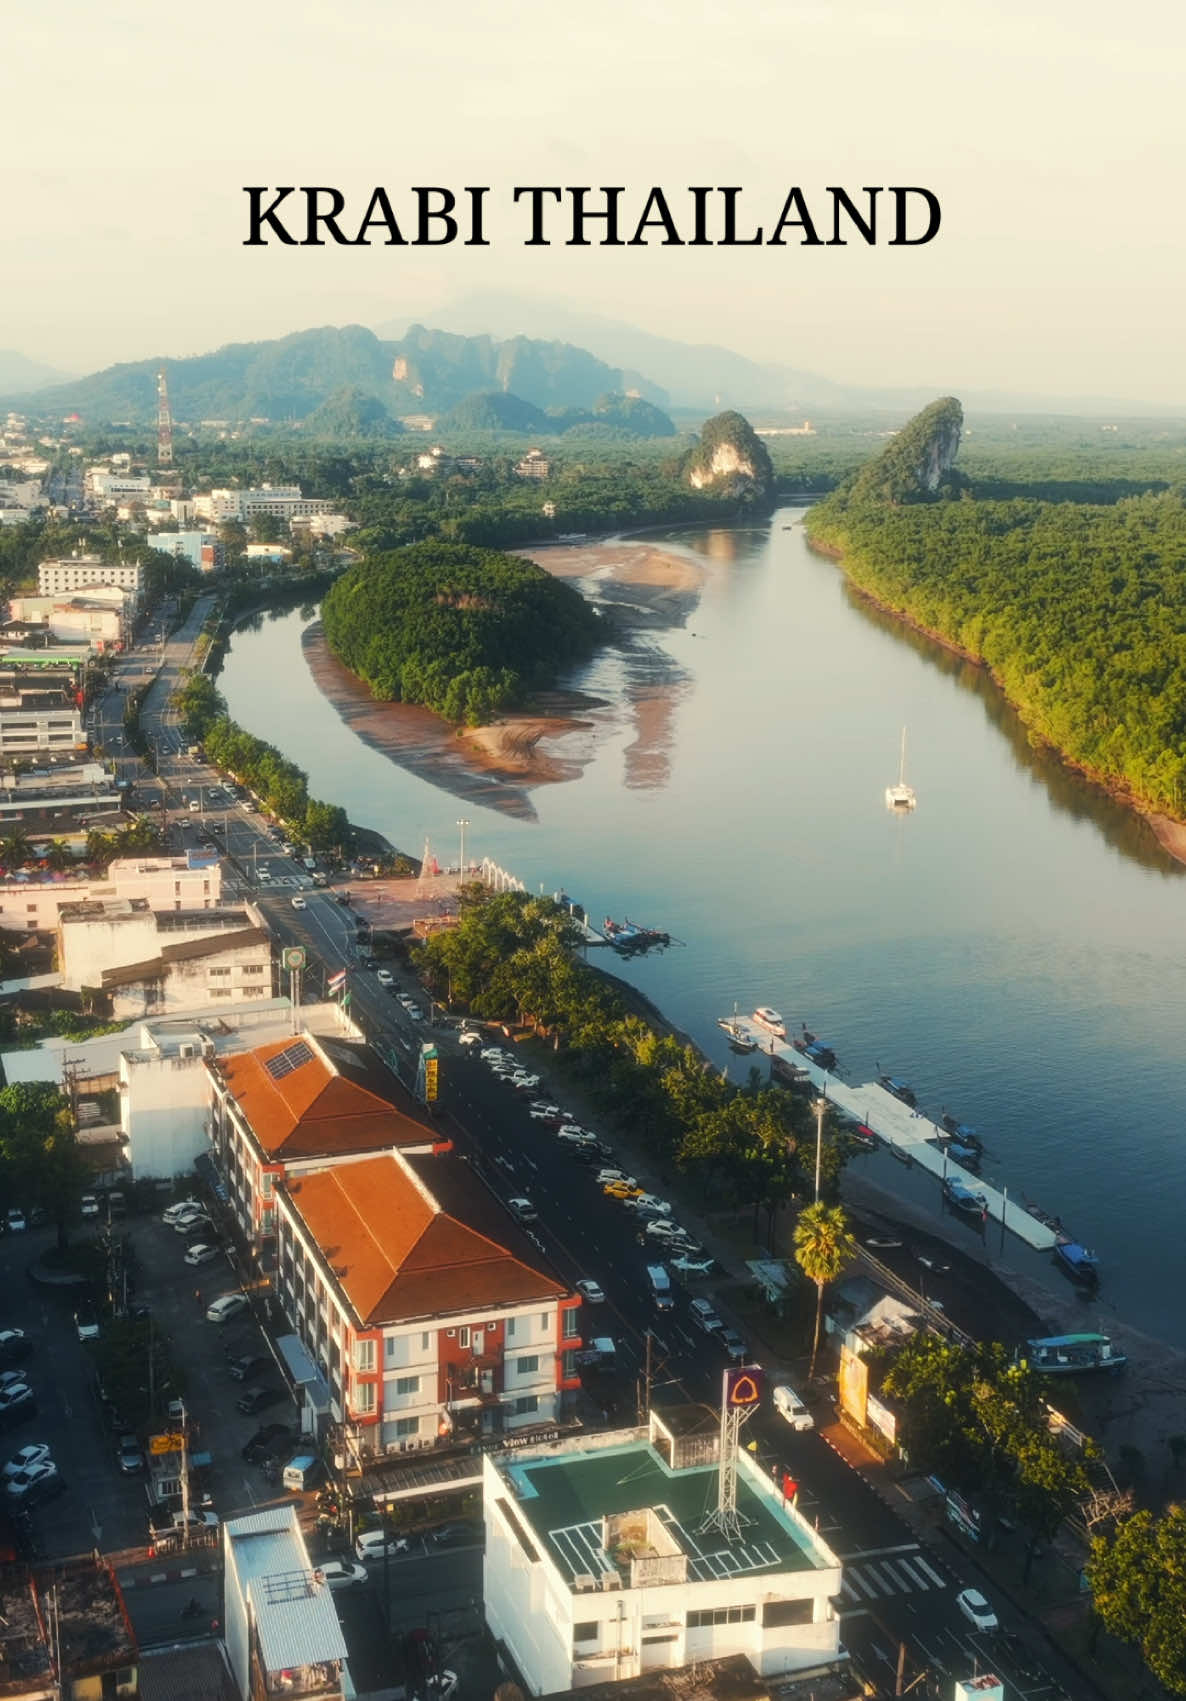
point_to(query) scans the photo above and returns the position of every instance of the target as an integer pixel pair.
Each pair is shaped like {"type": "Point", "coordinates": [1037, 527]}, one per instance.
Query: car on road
{"type": "Point", "coordinates": [469, 1039]}
{"type": "Point", "coordinates": [591, 1292]}
{"type": "Point", "coordinates": [14, 1344]}
{"type": "Point", "coordinates": [190, 1221]}
{"type": "Point", "coordinates": [575, 1142]}
{"type": "Point", "coordinates": [298, 903]}
{"type": "Point", "coordinates": [385, 977]}
{"type": "Point", "coordinates": [34, 1454]}
{"type": "Point", "coordinates": [129, 1456]}
{"type": "Point", "coordinates": [89, 1205]}
{"type": "Point", "coordinates": [662, 1228]}
{"type": "Point", "coordinates": [543, 1112]}
{"type": "Point", "coordinates": [735, 1347]}
{"type": "Point", "coordinates": [226, 1306]}
{"type": "Point", "coordinates": [416, 1014]}
{"type": "Point", "coordinates": [183, 1208]}
{"type": "Point", "coordinates": [17, 1402]}
{"type": "Point", "coordinates": [380, 1544]}
{"type": "Point", "coordinates": [704, 1316]}
{"type": "Point", "coordinates": [523, 1210]}
{"type": "Point", "coordinates": [883, 1242]}
{"type": "Point", "coordinates": [86, 1325]}
{"type": "Point", "coordinates": [193, 1520]}
{"type": "Point", "coordinates": [201, 1253]}
{"type": "Point", "coordinates": [16, 1221]}
{"type": "Point", "coordinates": [649, 1203]}
{"type": "Point", "coordinates": [977, 1610]}
{"type": "Point", "coordinates": [35, 1483]}
{"type": "Point", "coordinates": [455, 1535]}
{"type": "Point", "coordinates": [341, 1573]}
{"type": "Point", "coordinates": [606, 1176]}
{"type": "Point", "coordinates": [254, 1400]}
{"type": "Point", "coordinates": [195, 808]}
{"type": "Point", "coordinates": [790, 1407]}
{"type": "Point", "coordinates": [687, 1266]}
{"type": "Point", "coordinates": [492, 1054]}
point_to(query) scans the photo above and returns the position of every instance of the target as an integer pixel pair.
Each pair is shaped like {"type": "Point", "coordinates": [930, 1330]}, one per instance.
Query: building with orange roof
{"type": "Point", "coordinates": [431, 1313]}
{"type": "Point", "coordinates": [299, 1104]}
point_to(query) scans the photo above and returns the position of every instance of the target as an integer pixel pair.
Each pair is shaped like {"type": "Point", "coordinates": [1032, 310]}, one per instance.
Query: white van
{"type": "Point", "coordinates": [660, 1287]}
{"type": "Point", "coordinates": [302, 1470]}
{"type": "Point", "coordinates": [788, 1405]}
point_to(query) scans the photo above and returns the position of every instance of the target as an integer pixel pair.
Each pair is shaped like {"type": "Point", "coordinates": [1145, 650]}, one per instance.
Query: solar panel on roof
{"type": "Point", "coordinates": [289, 1059]}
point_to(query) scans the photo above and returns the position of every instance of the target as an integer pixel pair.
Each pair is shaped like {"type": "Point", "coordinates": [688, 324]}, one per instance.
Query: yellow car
{"type": "Point", "coordinates": [621, 1190]}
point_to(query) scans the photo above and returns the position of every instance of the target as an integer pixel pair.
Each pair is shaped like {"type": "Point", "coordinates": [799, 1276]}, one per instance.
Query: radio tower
{"type": "Point", "coordinates": [164, 423]}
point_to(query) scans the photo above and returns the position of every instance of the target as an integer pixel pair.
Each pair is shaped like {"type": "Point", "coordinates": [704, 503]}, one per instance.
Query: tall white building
{"type": "Point", "coordinates": [192, 882]}
{"type": "Point", "coordinates": [284, 501]}
{"type": "Point", "coordinates": [61, 575]}
{"type": "Point", "coordinates": [282, 1631]}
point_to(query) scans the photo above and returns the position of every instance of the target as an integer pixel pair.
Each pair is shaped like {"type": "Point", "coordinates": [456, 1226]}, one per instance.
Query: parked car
{"type": "Point", "coordinates": [183, 1208]}
{"type": "Point", "coordinates": [129, 1456]}
{"type": "Point", "coordinates": [704, 1316]}
{"type": "Point", "coordinates": [17, 1402]}
{"type": "Point", "coordinates": [35, 1483]}
{"type": "Point", "coordinates": [16, 1221]}
{"type": "Point", "coordinates": [14, 1345]}
{"type": "Point", "coordinates": [591, 1292]}
{"type": "Point", "coordinates": [523, 1210]}
{"type": "Point", "coordinates": [977, 1610]}
{"type": "Point", "coordinates": [194, 1520]}
{"type": "Point", "coordinates": [86, 1325]}
{"type": "Point", "coordinates": [341, 1573]}
{"type": "Point", "coordinates": [34, 1454]}
{"type": "Point", "coordinates": [621, 1190]}
{"type": "Point", "coordinates": [298, 903]}
{"type": "Point", "coordinates": [269, 1439]}
{"type": "Point", "coordinates": [381, 1544]}
{"type": "Point", "coordinates": [201, 1253]}
{"type": "Point", "coordinates": [469, 1039]}
{"type": "Point", "coordinates": [228, 1305]}
{"type": "Point", "coordinates": [384, 977]}
{"type": "Point", "coordinates": [735, 1347]}
{"type": "Point", "coordinates": [455, 1535]}
{"type": "Point", "coordinates": [662, 1228]}
{"type": "Point", "coordinates": [650, 1205]}
{"type": "Point", "coordinates": [246, 1365]}
{"type": "Point", "coordinates": [605, 1176]}
{"type": "Point", "coordinates": [255, 1399]}
{"type": "Point", "coordinates": [190, 1221]}
{"type": "Point", "coordinates": [89, 1205]}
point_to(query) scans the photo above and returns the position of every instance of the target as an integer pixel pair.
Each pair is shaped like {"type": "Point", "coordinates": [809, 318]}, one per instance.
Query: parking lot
{"type": "Point", "coordinates": [100, 1506]}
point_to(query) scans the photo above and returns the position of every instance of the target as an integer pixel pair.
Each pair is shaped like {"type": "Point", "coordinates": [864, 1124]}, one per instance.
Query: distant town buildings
{"type": "Point", "coordinates": [535, 464]}
{"type": "Point", "coordinates": [101, 616]}
{"type": "Point", "coordinates": [201, 549]}
{"type": "Point", "coordinates": [144, 962]}
{"type": "Point", "coordinates": [60, 576]}
{"type": "Point", "coordinates": [283, 501]}
{"type": "Point", "coordinates": [163, 882]}
{"type": "Point", "coordinates": [108, 487]}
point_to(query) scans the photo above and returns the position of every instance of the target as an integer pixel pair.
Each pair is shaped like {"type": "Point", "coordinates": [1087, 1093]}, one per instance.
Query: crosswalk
{"type": "Point", "coordinates": [891, 1571]}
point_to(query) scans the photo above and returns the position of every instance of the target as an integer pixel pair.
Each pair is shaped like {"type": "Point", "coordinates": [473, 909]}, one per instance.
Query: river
{"type": "Point", "coordinates": [1012, 948]}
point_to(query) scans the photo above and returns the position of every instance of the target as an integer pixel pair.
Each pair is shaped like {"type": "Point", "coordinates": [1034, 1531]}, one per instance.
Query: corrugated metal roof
{"type": "Point", "coordinates": [295, 1617]}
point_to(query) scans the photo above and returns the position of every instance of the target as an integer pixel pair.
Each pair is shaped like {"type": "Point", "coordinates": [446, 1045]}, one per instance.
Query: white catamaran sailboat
{"type": "Point", "coordinates": [901, 796]}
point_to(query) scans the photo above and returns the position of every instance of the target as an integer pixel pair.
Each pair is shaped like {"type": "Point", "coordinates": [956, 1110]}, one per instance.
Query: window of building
{"type": "Point", "coordinates": [265, 1184]}
{"type": "Point", "coordinates": [32, 908]}
{"type": "Point", "coordinates": [510, 1328]}
{"type": "Point", "coordinates": [570, 1365]}
{"type": "Point", "coordinates": [407, 1426]}
{"type": "Point", "coordinates": [364, 1397]}
{"type": "Point", "coordinates": [788, 1612]}
{"type": "Point", "coordinates": [364, 1355]}
{"type": "Point", "coordinates": [424, 1342]}
{"type": "Point", "coordinates": [407, 1384]}
{"type": "Point", "coordinates": [526, 1403]}
{"type": "Point", "coordinates": [478, 1339]}
{"type": "Point", "coordinates": [572, 1324]}
{"type": "Point", "coordinates": [219, 991]}
{"type": "Point", "coordinates": [463, 1336]}
{"type": "Point", "coordinates": [544, 1319]}
{"type": "Point", "coordinates": [253, 968]}
{"type": "Point", "coordinates": [528, 1365]}
{"type": "Point", "coordinates": [720, 1615]}
{"type": "Point", "coordinates": [216, 973]}
{"type": "Point", "coordinates": [587, 1631]}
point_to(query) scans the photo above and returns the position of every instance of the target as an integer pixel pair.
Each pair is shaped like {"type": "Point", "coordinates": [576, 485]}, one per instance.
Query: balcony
{"type": "Point", "coordinates": [324, 1678]}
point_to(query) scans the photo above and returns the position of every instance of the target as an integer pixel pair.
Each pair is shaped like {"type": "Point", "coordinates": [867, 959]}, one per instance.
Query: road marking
{"type": "Point", "coordinates": [939, 1582]}
{"type": "Point", "coordinates": [876, 1552]}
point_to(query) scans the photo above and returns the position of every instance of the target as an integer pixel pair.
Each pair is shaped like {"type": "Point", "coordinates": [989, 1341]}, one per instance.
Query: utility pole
{"type": "Point", "coordinates": [462, 824]}
{"type": "Point", "coordinates": [819, 1141]}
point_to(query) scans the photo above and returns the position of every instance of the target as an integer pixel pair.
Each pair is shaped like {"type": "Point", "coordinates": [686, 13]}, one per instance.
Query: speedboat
{"type": "Point", "coordinates": [770, 1019]}
{"type": "Point", "coordinates": [1080, 1264]}
{"type": "Point", "coordinates": [739, 1040]}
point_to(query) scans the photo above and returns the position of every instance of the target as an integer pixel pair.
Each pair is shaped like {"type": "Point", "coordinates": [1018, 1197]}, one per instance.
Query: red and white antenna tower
{"type": "Point", "coordinates": [164, 423]}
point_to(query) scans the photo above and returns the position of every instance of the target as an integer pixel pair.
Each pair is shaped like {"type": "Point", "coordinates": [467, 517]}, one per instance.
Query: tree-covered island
{"type": "Point", "coordinates": [464, 631]}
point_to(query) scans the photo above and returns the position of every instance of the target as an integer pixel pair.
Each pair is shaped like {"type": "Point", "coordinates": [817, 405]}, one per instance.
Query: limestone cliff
{"type": "Point", "coordinates": [919, 460]}
{"type": "Point", "coordinates": [731, 460]}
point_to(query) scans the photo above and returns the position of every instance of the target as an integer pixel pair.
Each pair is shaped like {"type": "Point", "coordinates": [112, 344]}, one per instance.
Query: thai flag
{"type": "Point", "coordinates": [335, 983]}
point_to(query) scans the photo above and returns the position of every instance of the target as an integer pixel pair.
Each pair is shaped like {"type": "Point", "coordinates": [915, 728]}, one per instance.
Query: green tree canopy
{"type": "Point", "coordinates": [1138, 1587]}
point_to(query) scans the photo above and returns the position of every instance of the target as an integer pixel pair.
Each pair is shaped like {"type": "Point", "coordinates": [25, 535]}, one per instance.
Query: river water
{"type": "Point", "coordinates": [1013, 948]}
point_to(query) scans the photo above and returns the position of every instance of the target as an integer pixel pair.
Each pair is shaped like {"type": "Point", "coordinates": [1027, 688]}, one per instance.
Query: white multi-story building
{"type": "Point", "coordinates": [283, 501]}
{"type": "Point", "coordinates": [148, 963]}
{"type": "Point", "coordinates": [425, 1306]}
{"type": "Point", "coordinates": [111, 487]}
{"type": "Point", "coordinates": [192, 882]}
{"type": "Point", "coordinates": [101, 615]}
{"type": "Point", "coordinates": [32, 722]}
{"type": "Point", "coordinates": [62, 575]}
{"type": "Point", "coordinates": [200, 548]}
{"type": "Point", "coordinates": [600, 1563]}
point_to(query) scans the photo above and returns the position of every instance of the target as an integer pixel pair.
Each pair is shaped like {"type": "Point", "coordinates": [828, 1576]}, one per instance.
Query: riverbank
{"type": "Point", "coordinates": [1169, 832]}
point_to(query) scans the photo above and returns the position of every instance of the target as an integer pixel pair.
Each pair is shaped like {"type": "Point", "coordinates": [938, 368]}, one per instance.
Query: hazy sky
{"type": "Point", "coordinates": [1052, 133]}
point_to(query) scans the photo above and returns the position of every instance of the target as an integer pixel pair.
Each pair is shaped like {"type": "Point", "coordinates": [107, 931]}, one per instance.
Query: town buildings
{"type": "Point", "coordinates": [190, 882]}
{"type": "Point", "coordinates": [200, 548]}
{"type": "Point", "coordinates": [60, 576]}
{"type": "Point", "coordinates": [429, 1311]}
{"type": "Point", "coordinates": [282, 501]}
{"type": "Point", "coordinates": [145, 962]}
{"type": "Point", "coordinates": [534, 464]}
{"type": "Point", "coordinates": [39, 712]}
{"type": "Point", "coordinates": [602, 1562]}
{"type": "Point", "coordinates": [101, 616]}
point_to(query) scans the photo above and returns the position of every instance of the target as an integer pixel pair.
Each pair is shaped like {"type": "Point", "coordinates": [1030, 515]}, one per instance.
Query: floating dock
{"type": "Point", "coordinates": [909, 1134]}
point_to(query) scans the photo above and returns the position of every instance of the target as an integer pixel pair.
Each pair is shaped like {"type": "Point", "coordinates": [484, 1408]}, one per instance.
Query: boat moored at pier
{"type": "Point", "coordinates": [961, 1198]}
{"type": "Point", "coordinates": [1071, 1355]}
{"type": "Point", "coordinates": [1079, 1262]}
{"type": "Point", "coordinates": [770, 1020]}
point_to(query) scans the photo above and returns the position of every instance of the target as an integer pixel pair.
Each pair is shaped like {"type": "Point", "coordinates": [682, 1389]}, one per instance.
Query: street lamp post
{"type": "Point", "coordinates": [820, 1106]}
{"type": "Point", "coordinates": [462, 824]}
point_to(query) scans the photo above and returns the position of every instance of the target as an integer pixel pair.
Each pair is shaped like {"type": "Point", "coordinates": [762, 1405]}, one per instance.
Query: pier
{"type": "Point", "coordinates": [909, 1134]}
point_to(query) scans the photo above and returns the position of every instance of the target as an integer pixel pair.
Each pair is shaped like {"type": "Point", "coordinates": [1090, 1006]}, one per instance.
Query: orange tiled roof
{"type": "Point", "coordinates": [312, 1111]}
{"type": "Point", "coordinates": [398, 1255]}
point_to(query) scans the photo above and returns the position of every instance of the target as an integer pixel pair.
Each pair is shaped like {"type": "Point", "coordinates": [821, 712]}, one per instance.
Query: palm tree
{"type": "Point", "coordinates": [16, 850]}
{"type": "Point", "coordinates": [59, 856]}
{"type": "Point", "coordinates": [823, 1247]}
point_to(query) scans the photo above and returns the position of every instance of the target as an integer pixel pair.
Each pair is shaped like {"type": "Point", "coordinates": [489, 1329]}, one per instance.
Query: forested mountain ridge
{"type": "Point", "coordinates": [286, 379]}
{"type": "Point", "coordinates": [1078, 609]}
